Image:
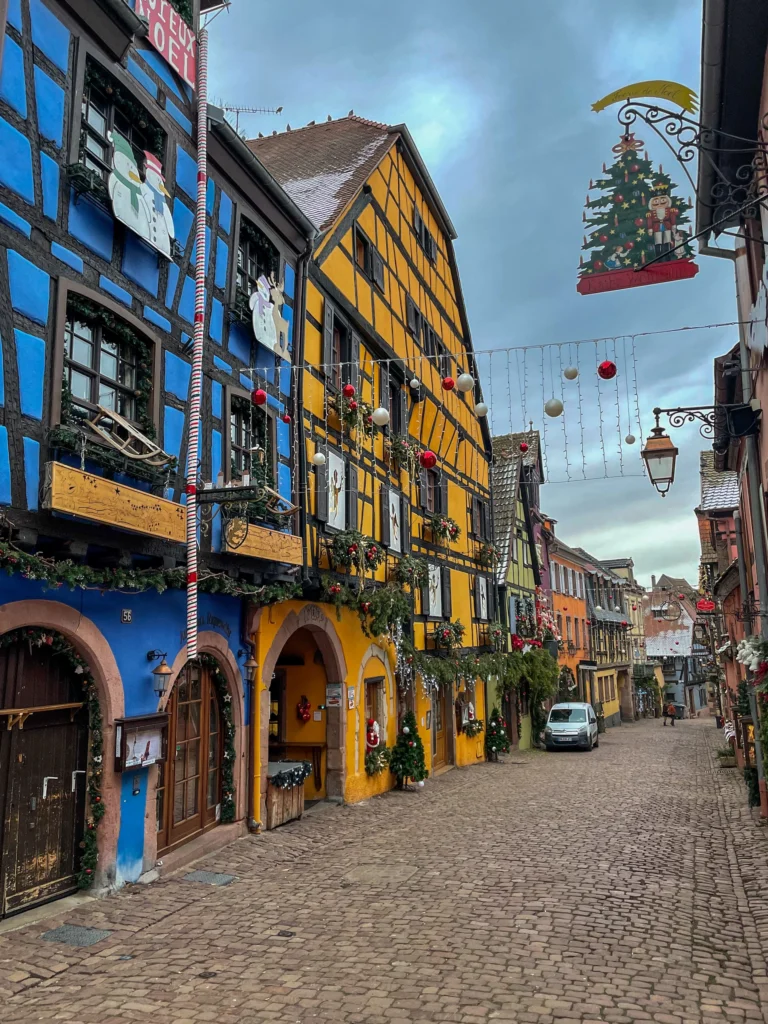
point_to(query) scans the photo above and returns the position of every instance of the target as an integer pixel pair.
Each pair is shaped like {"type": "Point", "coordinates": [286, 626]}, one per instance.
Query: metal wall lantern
{"type": "Point", "coordinates": [660, 456]}
{"type": "Point", "coordinates": [161, 672]}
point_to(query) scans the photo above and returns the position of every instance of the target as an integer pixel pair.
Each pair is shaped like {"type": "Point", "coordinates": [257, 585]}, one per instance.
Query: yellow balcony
{"type": "Point", "coordinates": [99, 500]}
{"type": "Point", "coordinates": [259, 542]}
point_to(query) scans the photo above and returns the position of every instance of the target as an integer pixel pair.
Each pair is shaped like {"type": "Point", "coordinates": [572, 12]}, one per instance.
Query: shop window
{"type": "Point", "coordinates": [374, 700]}
{"type": "Point", "coordinates": [109, 107]}
{"type": "Point", "coordinates": [256, 257]}
{"type": "Point", "coordinates": [99, 369]}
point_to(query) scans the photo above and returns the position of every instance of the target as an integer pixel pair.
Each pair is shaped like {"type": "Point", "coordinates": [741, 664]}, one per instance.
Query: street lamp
{"type": "Point", "coordinates": [659, 456]}
{"type": "Point", "coordinates": [161, 672]}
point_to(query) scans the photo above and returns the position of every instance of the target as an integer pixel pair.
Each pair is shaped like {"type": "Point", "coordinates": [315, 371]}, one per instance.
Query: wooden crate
{"type": "Point", "coordinates": [284, 805]}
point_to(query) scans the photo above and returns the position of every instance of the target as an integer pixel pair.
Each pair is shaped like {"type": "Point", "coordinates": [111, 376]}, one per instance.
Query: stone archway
{"type": "Point", "coordinates": [315, 621]}
{"type": "Point", "coordinates": [90, 642]}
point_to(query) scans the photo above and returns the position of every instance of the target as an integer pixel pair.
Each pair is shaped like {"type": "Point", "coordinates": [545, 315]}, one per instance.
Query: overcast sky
{"type": "Point", "coordinates": [498, 97]}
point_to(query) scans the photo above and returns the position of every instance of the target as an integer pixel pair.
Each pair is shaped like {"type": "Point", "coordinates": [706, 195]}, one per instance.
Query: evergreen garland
{"type": "Point", "coordinates": [132, 111]}
{"type": "Point", "coordinates": [443, 527]}
{"type": "Point", "coordinates": [473, 727]}
{"type": "Point", "coordinates": [61, 647]}
{"type": "Point", "coordinates": [267, 256]}
{"type": "Point", "coordinates": [228, 753]}
{"type": "Point", "coordinates": [87, 312]}
{"type": "Point", "coordinates": [377, 760]}
{"type": "Point", "coordinates": [411, 571]}
{"type": "Point", "coordinates": [355, 414]}
{"type": "Point", "coordinates": [76, 442]}
{"type": "Point", "coordinates": [68, 573]}
{"type": "Point", "coordinates": [404, 452]}
{"type": "Point", "coordinates": [184, 8]}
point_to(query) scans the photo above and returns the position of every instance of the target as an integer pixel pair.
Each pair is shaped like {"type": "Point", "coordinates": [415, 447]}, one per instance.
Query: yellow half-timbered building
{"type": "Point", "coordinates": [385, 329]}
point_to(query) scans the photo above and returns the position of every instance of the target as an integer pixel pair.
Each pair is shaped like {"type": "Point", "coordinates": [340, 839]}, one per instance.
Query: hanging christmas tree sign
{"type": "Point", "coordinates": [637, 226]}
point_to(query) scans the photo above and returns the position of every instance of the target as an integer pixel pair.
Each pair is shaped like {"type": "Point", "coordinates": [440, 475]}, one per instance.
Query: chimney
{"type": "Point", "coordinates": [653, 582]}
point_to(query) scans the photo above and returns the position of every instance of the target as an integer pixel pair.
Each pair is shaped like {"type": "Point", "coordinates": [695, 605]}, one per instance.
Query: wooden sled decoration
{"type": "Point", "coordinates": [126, 439]}
{"type": "Point", "coordinates": [278, 505]}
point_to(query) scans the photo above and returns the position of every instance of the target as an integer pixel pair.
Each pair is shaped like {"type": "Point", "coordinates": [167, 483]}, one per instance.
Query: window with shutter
{"type": "Point", "coordinates": [352, 370]}
{"type": "Point", "coordinates": [377, 269]}
{"type": "Point", "coordinates": [363, 250]}
{"type": "Point", "coordinates": [487, 533]}
{"type": "Point", "coordinates": [443, 495]}
{"type": "Point", "coordinates": [394, 403]}
{"type": "Point", "coordinates": [351, 502]}
{"type": "Point", "coordinates": [475, 515]}
{"type": "Point", "coordinates": [386, 531]}
{"type": "Point", "coordinates": [413, 316]}
{"type": "Point", "coordinates": [445, 580]}
{"type": "Point", "coordinates": [424, 496]}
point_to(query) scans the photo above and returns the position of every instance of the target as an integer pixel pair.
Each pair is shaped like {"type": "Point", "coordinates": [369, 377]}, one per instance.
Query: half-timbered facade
{"type": "Point", "coordinates": [385, 330]}
{"type": "Point", "coordinates": [98, 184]}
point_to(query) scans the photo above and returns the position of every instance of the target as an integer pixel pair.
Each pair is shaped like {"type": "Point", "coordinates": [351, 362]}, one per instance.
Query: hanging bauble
{"type": "Point", "coordinates": [353, 405]}
{"type": "Point", "coordinates": [570, 373]}
{"type": "Point", "coordinates": [465, 382]}
{"type": "Point", "coordinates": [630, 439]}
{"type": "Point", "coordinates": [523, 447]}
{"type": "Point", "coordinates": [553, 407]}
{"type": "Point", "coordinates": [603, 239]}
{"type": "Point", "coordinates": [414, 383]}
{"type": "Point", "coordinates": [619, 198]}
{"type": "Point", "coordinates": [639, 222]}
{"type": "Point", "coordinates": [481, 409]}
{"type": "Point", "coordinates": [606, 370]}
{"type": "Point", "coordinates": [348, 390]}
{"type": "Point", "coordinates": [286, 417]}
{"type": "Point", "coordinates": [421, 783]}
{"type": "Point", "coordinates": [318, 459]}
{"type": "Point", "coordinates": [448, 383]}
{"type": "Point", "coordinates": [428, 459]}
{"type": "Point", "coordinates": [259, 396]}
{"type": "Point", "coordinates": [380, 416]}
{"type": "Point", "coordinates": [406, 730]}
{"type": "Point", "coordinates": [681, 597]}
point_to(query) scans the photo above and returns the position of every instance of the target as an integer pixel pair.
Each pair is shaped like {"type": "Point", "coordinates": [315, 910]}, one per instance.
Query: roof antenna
{"type": "Point", "coordinates": [237, 111]}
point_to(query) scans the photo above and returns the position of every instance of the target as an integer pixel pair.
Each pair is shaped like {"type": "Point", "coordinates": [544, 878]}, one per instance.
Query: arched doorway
{"type": "Point", "coordinates": [189, 784]}
{"type": "Point", "coordinates": [43, 766]}
{"type": "Point", "coordinates": [299, 682]}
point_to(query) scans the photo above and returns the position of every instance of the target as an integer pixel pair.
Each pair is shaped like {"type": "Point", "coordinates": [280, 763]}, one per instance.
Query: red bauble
{"type": "Point", "coordinates": [619, 199]}
{"type": "Point", "coordinates": [353, 405]}
{"type": "Point", "coordinates": [448, 383]}
{"type": "Point", "coordinates": [625, 624]}
{"type": "Point", "coordinates": [598, 264]}
{"type": "Point", "coordinates": [634, 168]}
{"type": "Point", "coordinates": [286, 418]}
{"type": "Point", "coordinates": [639, 222]}
{"type": "Point", "coordinates": [603, 238]}
{"type": "Point", "coordinates": [428, 460]}
{"type": "Point", "coordinates": [606, 370]}
{"type": "Point", "coordinates": [259, 396]}
{"type": "Point", "coordinates": [348, 390]}
{"type": "Point", "coordinates": [523, 447]}
{"type": "Point", "coordinates": [681, 597]}
{"type": "Point", "coordinates": [630, 245]}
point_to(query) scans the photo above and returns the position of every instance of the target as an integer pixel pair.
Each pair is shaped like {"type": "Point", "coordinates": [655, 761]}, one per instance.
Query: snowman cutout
{"type": "Point", "coordinates": [126, 187]}
{"type": "Point", "coordinates": [161, 228]}
{"type": "Point", "coordinates": [262, 315]}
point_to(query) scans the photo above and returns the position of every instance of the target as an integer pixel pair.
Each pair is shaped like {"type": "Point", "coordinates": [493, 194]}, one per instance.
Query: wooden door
{"type": "Point", "coordinates": [439, 727]}
{"type": "Point", "coordinates": [189, 783]}
{"type": "Point", "coordinates": [43, 760]}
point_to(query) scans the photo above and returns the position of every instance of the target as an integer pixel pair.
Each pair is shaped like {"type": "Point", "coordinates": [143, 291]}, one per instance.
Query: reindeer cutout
{"type": "Point", "coordinates": [270, 328]}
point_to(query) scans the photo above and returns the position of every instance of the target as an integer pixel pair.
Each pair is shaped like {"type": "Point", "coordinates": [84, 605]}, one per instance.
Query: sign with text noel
{"type": "Point", "coordinates": [171, 36]}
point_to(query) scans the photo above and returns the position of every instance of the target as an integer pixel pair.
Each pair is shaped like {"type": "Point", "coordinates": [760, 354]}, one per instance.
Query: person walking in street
{"type": "Point", "coordinates": [672, 712]}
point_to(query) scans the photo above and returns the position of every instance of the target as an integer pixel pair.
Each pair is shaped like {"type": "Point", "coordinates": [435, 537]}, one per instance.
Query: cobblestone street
{"type": "Point", "coordinates": [624, 885]}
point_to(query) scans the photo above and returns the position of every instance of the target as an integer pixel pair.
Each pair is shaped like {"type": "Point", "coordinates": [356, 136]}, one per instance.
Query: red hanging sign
{"type": "Point", "coordinates": [171, 36]}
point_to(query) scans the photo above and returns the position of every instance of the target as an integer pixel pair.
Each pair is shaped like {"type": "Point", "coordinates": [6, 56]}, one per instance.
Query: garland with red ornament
{"type": "Point", "coordinates": [61, 647]}
{"type": "Point", "coordinates": [443, 527]}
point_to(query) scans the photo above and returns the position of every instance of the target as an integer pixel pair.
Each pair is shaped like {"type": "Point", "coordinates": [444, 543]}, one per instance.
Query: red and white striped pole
{"type": "Point", "coordinates": [196, 382]}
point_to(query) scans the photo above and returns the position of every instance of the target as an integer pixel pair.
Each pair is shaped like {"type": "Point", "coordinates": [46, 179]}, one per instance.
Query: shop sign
{"type": "Point", "coordinates": [171, 36]}
{"type": "Point", "coordinates": [333, 695]}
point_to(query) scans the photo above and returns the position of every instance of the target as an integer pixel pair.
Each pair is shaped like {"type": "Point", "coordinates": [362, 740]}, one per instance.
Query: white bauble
{"type": "Point", "coordinates": [493, 749]}
{"type": "Point", "coordinates": [406, 730]}
{"type": "Point", "coordinates": [481, 409]}
{"type": "Point", "coordinates": [553, 407]}
{"type": "Point", "coordinates": [421, 784]}
{"type": "Point", "coordinates": [380, 416]}
{"type": "Point", "coordinates": [570, 373]}
{"type": "Point", "coordinates": [414, 383]}
{"type": "Point", "coordinates": [630, 439]}
{"type": "Point", "coordinates": [465, 382]}
{"type": "Point", "coordinates": [318, 459]}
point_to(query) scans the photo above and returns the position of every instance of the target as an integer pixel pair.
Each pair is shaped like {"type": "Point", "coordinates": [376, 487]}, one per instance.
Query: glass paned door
{"type": "Point", "coordinates": [188, 792]}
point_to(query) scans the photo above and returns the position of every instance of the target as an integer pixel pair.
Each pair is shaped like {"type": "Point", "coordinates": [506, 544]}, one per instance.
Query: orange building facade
{"type": "Point", "coordinates": [569, 601]}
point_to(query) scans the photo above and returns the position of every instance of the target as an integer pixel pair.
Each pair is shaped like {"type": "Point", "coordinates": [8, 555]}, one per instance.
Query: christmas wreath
{"type": "Point", "coordinates": [449, 635]}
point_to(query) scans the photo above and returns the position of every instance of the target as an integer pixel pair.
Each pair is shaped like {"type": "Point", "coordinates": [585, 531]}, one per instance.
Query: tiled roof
{"type": "Point", "coordinates": [665, 638]}
{"type": "Point", "coordinates": [506, 473]}
{"type": "Point", "coordinates": [708, 553]}
{"type": "Point", "coordinates": [323, 166]}
{"type": "Point", "coordinates": [509, 444]}
{"type": "Point", "coordinates": [617, 563]}
{"type": "Point", "coordinates": [719, 490]}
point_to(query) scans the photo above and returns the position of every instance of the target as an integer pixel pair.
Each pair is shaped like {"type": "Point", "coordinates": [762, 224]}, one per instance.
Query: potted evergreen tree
{"type": "Point", "coordinates": [407, 758]}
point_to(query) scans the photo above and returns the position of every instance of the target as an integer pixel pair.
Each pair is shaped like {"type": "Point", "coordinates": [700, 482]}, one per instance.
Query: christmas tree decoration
{"type": "Point", "coordinates": [630, 439]}
{"type": "Point", "coordinates": [465, 382]}
{"type": "Point", "coordinates": [380, 416]}
{"type": "Point", "coordinates": [496, 738]}
{"type": "Point", "coordinates": [414, 383]}
{"type": "Point", "coordinates": [406, 761]}
{"type": "Point", "coordinates": [481, 409]}
{"type": "Point", "coordinates": [318, 459]}
{"type": "Point", "coordinates": [570, 373]}
{"type": "Point", "coordinates": [606, 370]}
{"type": "Point", "coordinates": [259, 396]}
{"type": "Point", "coordinates": [448, 383]}
{"type": "Point", "coordinates": [348, 391]}
{"type": "Point", "coordinates": [286, 417]}
{"type": "Point", "coordinates": [637, 219]}
{"type": "Point", "coordinates": [553, 407]}
{"type": "Point", "coordinates": [523, 447]}
{"type": "Point", "coordinates": [353, 405]}
{"type": "Point", "coordinates": [428, 460]}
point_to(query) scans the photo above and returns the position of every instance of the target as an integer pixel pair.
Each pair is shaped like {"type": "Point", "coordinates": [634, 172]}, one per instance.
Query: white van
{"type": "Point", "coordinates": [571, 725]}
